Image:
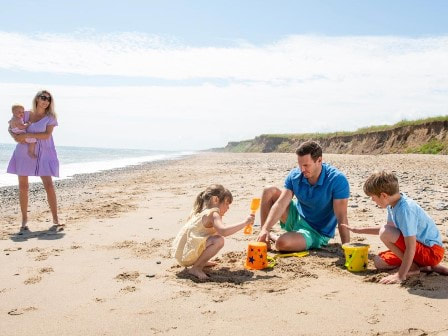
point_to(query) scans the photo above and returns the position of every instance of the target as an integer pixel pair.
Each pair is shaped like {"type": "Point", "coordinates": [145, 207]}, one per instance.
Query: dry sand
{"type": "Point", "coordinates": [110, 272]}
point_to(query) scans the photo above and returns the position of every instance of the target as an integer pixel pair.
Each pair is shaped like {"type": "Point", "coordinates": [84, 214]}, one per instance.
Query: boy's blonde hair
{"type": "Point", "coordinates": [381, 182]}
{"type": "Point", "coordinates": [15, 106]}
{"type": "Point", "coordinates": [205, 196]}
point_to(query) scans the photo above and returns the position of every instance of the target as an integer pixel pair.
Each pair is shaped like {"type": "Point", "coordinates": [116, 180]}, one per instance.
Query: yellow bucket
{"type": "Point", "coordinates": [356, 256]}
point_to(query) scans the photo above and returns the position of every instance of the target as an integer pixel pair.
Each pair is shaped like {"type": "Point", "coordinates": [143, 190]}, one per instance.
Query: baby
{"type": "Point", "coordinates": [18, 126]}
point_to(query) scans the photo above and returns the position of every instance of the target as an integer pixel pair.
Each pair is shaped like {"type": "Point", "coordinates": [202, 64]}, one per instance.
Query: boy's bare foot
{"type": "Point", "coordinates": [210, 264]}
{"type": "Point", "coordinates": [413, 271]}
{"type": "Point", "coordinates": [441, 269]}
{"type": "Point", "coordinates": [198, 273]}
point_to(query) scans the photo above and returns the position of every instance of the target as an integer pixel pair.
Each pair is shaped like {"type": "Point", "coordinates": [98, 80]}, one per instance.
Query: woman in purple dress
{"type": "Point", "coordinates": [46, 164]}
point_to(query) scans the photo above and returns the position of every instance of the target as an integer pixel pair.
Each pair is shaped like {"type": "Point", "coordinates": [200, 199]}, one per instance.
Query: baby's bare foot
{"type": "Point", "coordinates": [198, 273]}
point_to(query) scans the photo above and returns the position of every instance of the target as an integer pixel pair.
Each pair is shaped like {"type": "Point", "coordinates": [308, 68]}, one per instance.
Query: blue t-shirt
{"type": "Point", "coordinates": [315, 203]}
{"type": "Point", "coordinates": [412, 220]}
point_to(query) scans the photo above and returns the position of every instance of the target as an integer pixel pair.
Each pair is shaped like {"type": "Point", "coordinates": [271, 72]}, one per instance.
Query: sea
{"type": "Point", "coordinates": [84, 160]}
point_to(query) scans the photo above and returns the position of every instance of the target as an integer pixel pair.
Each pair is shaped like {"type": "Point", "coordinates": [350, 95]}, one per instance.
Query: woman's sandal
{"type": "Point", "coordinates": [57, 227]}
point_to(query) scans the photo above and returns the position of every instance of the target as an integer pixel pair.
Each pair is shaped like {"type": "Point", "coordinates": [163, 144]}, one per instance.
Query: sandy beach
{"type": "Point", "coordinates": [111, 273]}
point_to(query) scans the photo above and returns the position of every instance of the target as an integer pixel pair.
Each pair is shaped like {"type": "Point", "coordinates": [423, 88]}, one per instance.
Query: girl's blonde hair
{"type": "Point", "coordinates": [50, 109]}
{"type": "Point", "coordinates": [203, 199]}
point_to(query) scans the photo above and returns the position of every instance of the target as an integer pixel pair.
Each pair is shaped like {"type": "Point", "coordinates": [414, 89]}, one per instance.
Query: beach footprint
{"type": "Point", "coordinates": [21, 311]}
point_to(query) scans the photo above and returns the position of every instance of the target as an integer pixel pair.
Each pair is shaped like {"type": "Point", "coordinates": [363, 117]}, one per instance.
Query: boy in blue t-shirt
{"type": "Point", "coordinates": [412, 237]}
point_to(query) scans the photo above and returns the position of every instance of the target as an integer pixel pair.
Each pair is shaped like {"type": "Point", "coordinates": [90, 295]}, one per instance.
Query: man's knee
{"type": "Point", "coordinates": [271, 192]}
{"type": "Point", "coordinates": [287, 242]}
{"type": "Point", "coordinates": [281, 244]}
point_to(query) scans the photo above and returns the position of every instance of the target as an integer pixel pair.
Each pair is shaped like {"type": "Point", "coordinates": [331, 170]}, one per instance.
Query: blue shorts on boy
{"type": "Point", "coordinates": [314, 204]}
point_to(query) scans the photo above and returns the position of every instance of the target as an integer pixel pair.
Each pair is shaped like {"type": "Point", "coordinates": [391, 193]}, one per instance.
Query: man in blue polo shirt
{"type": "Point", "coordinates": [310, 220]}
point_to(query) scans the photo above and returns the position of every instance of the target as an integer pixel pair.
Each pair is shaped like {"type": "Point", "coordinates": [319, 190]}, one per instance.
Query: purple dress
{"type": "Point", "coordinates": [47, 163]}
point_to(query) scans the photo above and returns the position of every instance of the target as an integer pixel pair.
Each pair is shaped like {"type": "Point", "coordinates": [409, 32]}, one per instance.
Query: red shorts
{"type": "Point", "coordinates": [424, 255]}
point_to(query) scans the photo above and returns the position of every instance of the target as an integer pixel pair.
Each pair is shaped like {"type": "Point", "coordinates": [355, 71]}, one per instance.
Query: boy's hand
{"type": "Point", "coordinates": [352, 229]}
{"type": "Point", "coordinates": [391, 279]}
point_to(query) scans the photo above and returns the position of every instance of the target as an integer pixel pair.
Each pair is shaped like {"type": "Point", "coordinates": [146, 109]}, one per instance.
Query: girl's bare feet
{"type": "Point", "coordinates": [198, 273]}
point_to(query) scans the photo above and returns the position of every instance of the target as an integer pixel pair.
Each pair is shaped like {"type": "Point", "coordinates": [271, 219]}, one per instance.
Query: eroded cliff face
{"type": "Point", "coordinates": [398, 140]}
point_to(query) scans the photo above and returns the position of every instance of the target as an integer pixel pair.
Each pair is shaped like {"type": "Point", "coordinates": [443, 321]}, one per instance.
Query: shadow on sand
{"type": "Point", "coordinates": [40, 235]}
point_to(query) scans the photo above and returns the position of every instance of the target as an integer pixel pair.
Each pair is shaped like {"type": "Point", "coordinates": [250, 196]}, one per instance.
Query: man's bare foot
{"type": "Point", "coordinates": [441, 269]}
{"type": "Point", "coordinates": [210, 264]}
{"type": "Point", "coordinates": [273, 237]}
{"type": "Point", "coordinates": [198, 273]}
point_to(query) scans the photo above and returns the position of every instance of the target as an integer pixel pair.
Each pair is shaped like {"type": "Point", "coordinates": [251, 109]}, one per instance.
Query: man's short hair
{"type": "Point", "coordinates": [310, 147]}
{"type": "Point", "coordinates": [381, 182]}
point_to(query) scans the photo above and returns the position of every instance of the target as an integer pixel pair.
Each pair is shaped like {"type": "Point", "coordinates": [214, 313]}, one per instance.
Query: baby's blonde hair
{"type": "Point", "coordinates": [15, 106]}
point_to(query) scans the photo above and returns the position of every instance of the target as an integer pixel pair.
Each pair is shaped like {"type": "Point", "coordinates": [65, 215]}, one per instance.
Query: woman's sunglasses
{"type": "Point", "coordinates": [45, 98]}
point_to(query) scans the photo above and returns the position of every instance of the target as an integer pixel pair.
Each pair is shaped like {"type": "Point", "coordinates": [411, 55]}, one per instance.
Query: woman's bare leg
{"type": "Point", "coordinates": [23, 198]}
{"type": "Point", "coordinates": [51, 197]}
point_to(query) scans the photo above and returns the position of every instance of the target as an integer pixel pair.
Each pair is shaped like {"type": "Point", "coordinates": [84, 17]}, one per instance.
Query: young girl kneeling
{"type": "Point", "coordinates": [202, 236]}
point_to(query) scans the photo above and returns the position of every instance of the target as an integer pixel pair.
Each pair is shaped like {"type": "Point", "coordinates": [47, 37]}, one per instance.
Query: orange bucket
{"type": "Point", "coordinates": [257, 256]}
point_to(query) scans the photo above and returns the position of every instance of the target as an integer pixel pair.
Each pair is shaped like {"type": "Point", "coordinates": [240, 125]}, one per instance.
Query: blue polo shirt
{"type": "Point", "coordinates": [315, 203]}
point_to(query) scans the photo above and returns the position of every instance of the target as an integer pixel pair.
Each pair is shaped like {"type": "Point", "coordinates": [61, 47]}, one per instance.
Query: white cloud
{"type": "Point", "coordinates": [299, 84]}
{"type": "Point", "coordinates": [293, 58]}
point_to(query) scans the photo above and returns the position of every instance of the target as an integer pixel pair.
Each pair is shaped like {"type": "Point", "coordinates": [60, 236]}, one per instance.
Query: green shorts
{"type": "Point", "coordinates": [295, 223]}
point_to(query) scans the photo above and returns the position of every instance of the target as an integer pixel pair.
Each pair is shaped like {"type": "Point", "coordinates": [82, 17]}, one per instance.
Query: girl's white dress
{"type": "Point", "coordinates": [191, 240]}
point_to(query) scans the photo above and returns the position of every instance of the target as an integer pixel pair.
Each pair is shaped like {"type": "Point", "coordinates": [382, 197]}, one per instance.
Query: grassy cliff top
{"type": "Point", "coordinates": [363, 130]}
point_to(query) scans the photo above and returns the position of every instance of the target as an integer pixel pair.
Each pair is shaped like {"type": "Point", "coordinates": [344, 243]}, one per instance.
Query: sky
{"type": "Point", "coordinates": [192, 75]}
